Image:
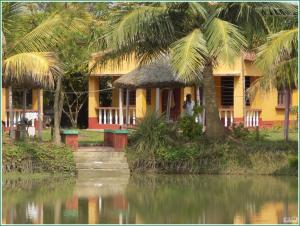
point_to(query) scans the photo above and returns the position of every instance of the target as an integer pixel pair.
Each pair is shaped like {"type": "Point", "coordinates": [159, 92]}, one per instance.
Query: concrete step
{"type": "Point", "coordinates": [96, 149]}
{"type": "Point", "coordinates": [83, 174]}
{"type": "Point", "coordinates": [100, 157]}
{"type": "Point", "coordinates": [101, 165]}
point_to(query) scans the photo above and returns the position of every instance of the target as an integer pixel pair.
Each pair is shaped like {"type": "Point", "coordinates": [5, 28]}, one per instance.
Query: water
{"type": "Point", "coordinates": [93, 198]}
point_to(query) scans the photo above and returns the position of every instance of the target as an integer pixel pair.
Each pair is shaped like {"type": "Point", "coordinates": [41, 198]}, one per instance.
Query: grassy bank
{"type": "Point", "coordinates": [85, 137]}
{"type": "Point", "coordinates": [172, 148]}
{"type": "Point", "coordinates": [35, 157]}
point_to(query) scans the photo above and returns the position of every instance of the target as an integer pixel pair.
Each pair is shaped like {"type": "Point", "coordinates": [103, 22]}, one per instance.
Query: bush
{"type": "Point", "coordinates": [151, 134]}
{"type": "Point", "coordinates": [190, 129]}
{"type": "Point", "coordinates": [240, 131]}
{"type": "Point", "coordinates": [37, 157]}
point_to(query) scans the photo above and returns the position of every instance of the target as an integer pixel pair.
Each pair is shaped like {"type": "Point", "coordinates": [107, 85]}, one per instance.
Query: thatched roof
{"type": "Point", "coordinates": [158, 74]}
{"type": "Point", "coordinates": [22, 84]}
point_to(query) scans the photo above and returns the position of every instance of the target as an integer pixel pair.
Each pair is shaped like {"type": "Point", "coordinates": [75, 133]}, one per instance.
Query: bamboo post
{"type": "Point", "coordinates": [169, 104]}
{"type": "Point", "coordinates": [40, 120]}
{"type": "Point", "coordinates": [127, 107]}
{"type": "Point", "coordinates": [157, 100]}
{"type": "Point", "coordinates": [11, 116]}
{"type": "Point", "coordinates": [24, 104]}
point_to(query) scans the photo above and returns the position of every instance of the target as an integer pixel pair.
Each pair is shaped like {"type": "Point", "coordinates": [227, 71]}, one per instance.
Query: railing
{"type": "Point", "coordinates": [227, 115]}
{"type": "Point", "coordinates": [252, 118]}
{"type": "Point", "coordinates": [31, 115]}
{"type": "Point", "coordinates": [111, 115]}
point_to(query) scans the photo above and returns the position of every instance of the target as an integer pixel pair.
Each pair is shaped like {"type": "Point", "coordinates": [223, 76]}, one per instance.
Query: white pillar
{"type": "Point", "coordinates": [121, 106]}
{"type": "Point", "coordinates": [157, 99]}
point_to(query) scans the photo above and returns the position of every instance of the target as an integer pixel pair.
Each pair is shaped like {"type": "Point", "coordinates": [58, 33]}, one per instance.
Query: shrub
{"type": "Point", "coordinates": [37, 157]}
{"type": "Point", "coordinates": [240, 131]}
{"type": "Point", "coordinates": [151, 134]}
{"type": "Point", "coordinates": [190, 129]}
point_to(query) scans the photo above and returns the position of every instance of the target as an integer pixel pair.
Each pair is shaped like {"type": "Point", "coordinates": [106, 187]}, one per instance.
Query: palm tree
{"type": "Point", "coordinates": [197, 36]}
{"type": "Point", "coordinates": [278, 60]}
{"type": "Point", "coordinates": [28, 50]}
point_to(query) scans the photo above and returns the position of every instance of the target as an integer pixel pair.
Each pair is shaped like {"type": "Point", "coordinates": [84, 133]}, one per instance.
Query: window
{"type": "Point", "coordinates": [247, 86]}
{"type": "Point", "coordinates": [18, 99]}
{"type": "Point", "coordinates": [227, 91]}
{"type": "Point", "coordinates": [281, 98]}
{"type": "Point", "coordinates": [131, 97]}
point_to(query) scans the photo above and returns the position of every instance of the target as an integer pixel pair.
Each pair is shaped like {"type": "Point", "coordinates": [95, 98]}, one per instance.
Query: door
{"type": "Point", "coordinates": [175, 103]}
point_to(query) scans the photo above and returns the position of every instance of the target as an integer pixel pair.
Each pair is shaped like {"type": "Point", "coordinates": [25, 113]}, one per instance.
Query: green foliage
{"type": "Point", "coordinates": [240, 131]}
{"type": "Point", "coordinates": [151, 134]}
{"type": "Point", "coordinates": [293, 161]}
{"type": "Point", "coordinates": [37, 157]}
{"type": "Point", "coordinates": [190, 129]}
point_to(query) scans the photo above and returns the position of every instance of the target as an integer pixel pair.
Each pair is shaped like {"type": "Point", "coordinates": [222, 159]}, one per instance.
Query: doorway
{"type": "Point", "coordinates": [175, 103]}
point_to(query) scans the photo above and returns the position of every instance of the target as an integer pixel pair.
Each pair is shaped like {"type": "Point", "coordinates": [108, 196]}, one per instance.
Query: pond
{"type": "Point", "coordinates": [98, 198]}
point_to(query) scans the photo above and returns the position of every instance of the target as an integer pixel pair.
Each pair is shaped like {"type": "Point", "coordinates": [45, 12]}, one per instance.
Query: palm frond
{"type": "Point", "coordinates": [188, 55]}
{"type": "Point", "coordinates": [39, 67]}
{"type": "Point", "coordinates": [224, 40]}
{"type": "Point", "coordinates": [278, 46]}
{"type": "Point", "coordinates": [197, 9]}
{"type": "Point", "coordinates": [145, 22]}
{"type": "Point", "coordinates": [52, 31]}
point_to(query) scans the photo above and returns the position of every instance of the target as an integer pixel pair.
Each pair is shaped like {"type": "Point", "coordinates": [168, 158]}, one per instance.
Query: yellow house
{"type": "Point", "coordinates": [231, 81]}
{"type": "Point", "coordinates": [17, 97]}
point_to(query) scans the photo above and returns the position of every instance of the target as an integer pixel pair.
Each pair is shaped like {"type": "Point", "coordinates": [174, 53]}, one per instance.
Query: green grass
{"type": "Point", "coordinates": [86, 137]}
{"type": "Point", "coordinates": [277, 135]}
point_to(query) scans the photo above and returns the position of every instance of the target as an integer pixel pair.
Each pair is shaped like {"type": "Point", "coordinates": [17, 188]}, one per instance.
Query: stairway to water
{"type": "Point", "coordinates": [104, 160]}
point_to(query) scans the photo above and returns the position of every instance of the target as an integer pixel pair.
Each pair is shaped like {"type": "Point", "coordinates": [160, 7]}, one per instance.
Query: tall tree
{"type": "Point", "coordinates": [278, 60]}
{"type": "Point", "coordinates": [197, 36]}
{"type": "Point", "coordinates": [183, 31]}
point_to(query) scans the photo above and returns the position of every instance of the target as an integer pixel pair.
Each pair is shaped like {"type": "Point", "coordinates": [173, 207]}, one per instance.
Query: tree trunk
{"type": "Point", "coordinates": [58, 106]}
{"type": "Point", "coordinates": [214, 127]}
{"type": "Point", "coordinates": [11, 113]}
{"type": "Point", "coordinates": [286, 114]}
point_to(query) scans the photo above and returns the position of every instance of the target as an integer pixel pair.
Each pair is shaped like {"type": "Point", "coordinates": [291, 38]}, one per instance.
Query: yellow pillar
{"type": "Point", "coordinates": [93, 211]}
{"type": "Point", "coordinates": [4, 97]}
{"type": "Point", "coordinates": [93, 99]}
{"type": "Point", "coordinates": [238, 100]}
{"type": "Point", "coordinates": [141, 105]}
{"type": "Point", "coordinates": [35, 99]}
{"type": "Point", "coordinates": [35, 94]}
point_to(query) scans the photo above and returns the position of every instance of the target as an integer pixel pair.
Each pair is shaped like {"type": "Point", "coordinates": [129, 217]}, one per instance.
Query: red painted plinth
{"type": "Point", "coordinates": [70, 140]}
{"type": "Point", "coordinates": [108, 139]}
{"type": "Point", "coordinates": [120, 141]}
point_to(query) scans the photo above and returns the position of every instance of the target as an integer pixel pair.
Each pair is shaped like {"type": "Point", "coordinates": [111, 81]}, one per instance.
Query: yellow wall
{"type": "Point", "coordinates": [234, 68]}
{"type": "Point", "coordinates": [112, 68]}
{"type": "Point", "coordinates": [267, 102]}
{"type": "Point", "coordinates": [93, 99]}
{"type": "Point", "coordinates": [250, 69]}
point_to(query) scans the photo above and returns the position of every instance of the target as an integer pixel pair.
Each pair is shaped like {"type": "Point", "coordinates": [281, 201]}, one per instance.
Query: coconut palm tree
{"type": "Point", "coordinates": [29, 44]}
{"type": "Point", "coordinates": [196, 35]}
{"type": "Point", "coordinates": [278, 60]}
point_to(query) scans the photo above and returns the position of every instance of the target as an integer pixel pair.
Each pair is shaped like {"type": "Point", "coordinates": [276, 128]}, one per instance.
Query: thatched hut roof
{"type": "Point", "coordinates": [158, 74]}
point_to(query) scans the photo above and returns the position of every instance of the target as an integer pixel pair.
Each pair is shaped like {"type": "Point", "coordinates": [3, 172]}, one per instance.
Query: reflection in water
{"type": "Point", "coordinates": [96, 199]}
